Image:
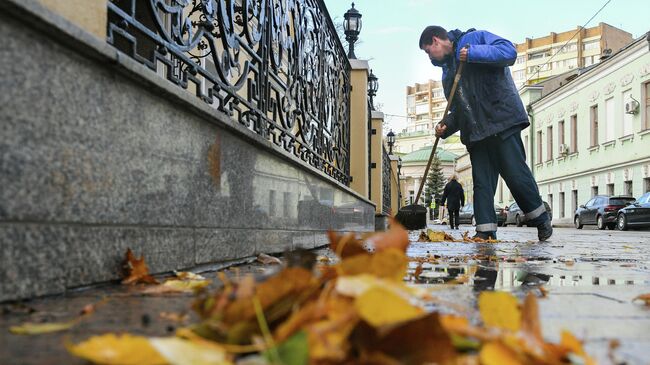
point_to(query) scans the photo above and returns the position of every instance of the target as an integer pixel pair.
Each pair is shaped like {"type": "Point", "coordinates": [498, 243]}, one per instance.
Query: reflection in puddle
{"type": "Point", "coordinates": [486, 275]}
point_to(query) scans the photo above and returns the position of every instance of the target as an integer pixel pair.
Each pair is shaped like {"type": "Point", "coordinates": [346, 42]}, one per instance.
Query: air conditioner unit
{"type": "Point", "coordinates": [564, 150]}
{"type": "Point", "coordinates": [631, 107]}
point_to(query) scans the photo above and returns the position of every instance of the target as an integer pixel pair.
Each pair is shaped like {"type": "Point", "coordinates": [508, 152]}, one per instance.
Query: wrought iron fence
{"type": "Point", "coordinates": [274, 66]}
{"type": "Point", "coordinates": [386, 177]}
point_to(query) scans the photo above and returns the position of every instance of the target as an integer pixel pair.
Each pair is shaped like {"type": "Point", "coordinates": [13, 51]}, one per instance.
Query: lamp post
{"type": "Point", "coordinates": [391, 141]}
{"type": "Point", "coordinates": [352, 27]}
{"type": "Point", "coordinates": [373, 86]}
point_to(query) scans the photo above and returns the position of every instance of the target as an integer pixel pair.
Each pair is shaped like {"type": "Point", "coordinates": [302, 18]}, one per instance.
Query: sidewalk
{"type": "Point", "coordinates": [590, 277]}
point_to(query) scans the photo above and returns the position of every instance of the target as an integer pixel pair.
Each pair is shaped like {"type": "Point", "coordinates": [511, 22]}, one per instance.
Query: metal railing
{"type": "Point", "coordinates": [274, 66]}
{"type": "Point", "coordinates": [386, 182]}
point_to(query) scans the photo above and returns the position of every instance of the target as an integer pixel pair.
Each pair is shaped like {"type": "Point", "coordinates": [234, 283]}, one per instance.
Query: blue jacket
{"type": "Point", "coordinates": [487, 102]}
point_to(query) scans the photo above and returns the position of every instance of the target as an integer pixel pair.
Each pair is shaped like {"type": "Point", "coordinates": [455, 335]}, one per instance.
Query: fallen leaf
{"type": "Point", "coordinates": [418, 271]}
{"type": "Point", "coordinates": [178, 351]}
{"type": "Point", "coordinates": [395, 238]}
{"type": "Point", "coordinates": [41, 328]}
{"type": "Point", "coordinates": [137, 269]}
{"type": "Point", "coordinates": [323, 259]}
{"type": "Point", "coordinates": [382, 307]}
{"type": "Point", "coordinates": [530, 325]}
{"type": "Point", "coordinates": [295, 350]}
{"type": "Point", "coordinates": [345, 246]}
{"type": "Point", "coordinates": [110, 349]}
{"type": "Point", "coordinates": [390, 263]}
{"type": "Point", "coordinates": [496, 353]}
{"type": "Point", "coordinates": [643, 297]}
{"type": "Point", "coordinates": [500, 309]}
{"type": "Point", "coordinates": [186, 275]}
{"type": "Point", "coordinates": [268, 259]}
{"type": "Point", "coordinates": [174, 317]}
{"type": "Point", "coordinates": [177, 286]}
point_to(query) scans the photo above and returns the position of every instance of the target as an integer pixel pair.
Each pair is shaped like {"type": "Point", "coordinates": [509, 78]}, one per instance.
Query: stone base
{"type": "Point", "coordinates": [98, 153]}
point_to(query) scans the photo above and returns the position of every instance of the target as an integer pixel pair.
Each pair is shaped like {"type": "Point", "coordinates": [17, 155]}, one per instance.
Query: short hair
{"type": "Point", "coordinates": [432, 31]}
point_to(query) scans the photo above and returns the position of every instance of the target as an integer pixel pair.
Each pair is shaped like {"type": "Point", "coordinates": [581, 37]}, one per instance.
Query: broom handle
{"type": "Point", "coordinates": [435, 144]}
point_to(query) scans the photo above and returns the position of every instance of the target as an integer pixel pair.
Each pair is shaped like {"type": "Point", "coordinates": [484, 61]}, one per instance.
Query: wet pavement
{"type": "Point", "coordinates": [590, 278]}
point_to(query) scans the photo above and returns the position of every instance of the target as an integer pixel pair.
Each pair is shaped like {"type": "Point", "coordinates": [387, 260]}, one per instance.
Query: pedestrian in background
{"type": "Point", "coordinates": [490, 115]}
{"type": "Point", "coordinates": [454, 195]}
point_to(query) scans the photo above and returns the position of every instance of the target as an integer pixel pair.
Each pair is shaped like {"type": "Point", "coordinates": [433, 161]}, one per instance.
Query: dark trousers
{"type": "Point", "coordinates": [453, 217]}
{"type": "Point", "coordinates": [495, 156]}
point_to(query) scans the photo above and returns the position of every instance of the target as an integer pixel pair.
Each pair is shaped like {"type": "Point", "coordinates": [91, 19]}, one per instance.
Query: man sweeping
{"type": "Point", "coordinates": [454, 196]}
{"type": "Point", "coordinates": [490, 116]}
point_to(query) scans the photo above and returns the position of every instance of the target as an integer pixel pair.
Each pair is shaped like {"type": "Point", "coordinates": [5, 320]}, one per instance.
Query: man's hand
{"type": "Point", "coordinates": [440, 129]}
{"type": "Point", "coordinates": [463, 54]}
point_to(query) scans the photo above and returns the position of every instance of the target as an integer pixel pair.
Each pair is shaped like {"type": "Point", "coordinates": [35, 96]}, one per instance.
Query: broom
{"type": "Point", "coordinates": [414, 216]}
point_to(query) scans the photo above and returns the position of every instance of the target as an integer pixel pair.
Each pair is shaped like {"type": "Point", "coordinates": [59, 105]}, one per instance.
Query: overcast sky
{"type": "Point", "coordinates": [391, 31]}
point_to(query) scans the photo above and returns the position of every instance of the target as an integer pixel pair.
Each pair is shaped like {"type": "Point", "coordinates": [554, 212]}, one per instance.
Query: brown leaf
{"type": "Point", "coordinates": [418, 271]}
{"type": "Point", "coordinates": [530, 325]}
{"type": "Point", "coordinates": [396, 237]}
{"type": "Point", "coordinates": [346, 245]}
{"type": "Point", "coordinates": [268, 259]}
{"type": "Point", "coordinates": [643, 297]}
{"type": "Point", "coordinates": [138, 272]}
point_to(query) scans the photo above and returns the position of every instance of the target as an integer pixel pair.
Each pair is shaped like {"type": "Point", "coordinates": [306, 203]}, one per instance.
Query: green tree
{"type": "Point", "coordinates": [435, 184]}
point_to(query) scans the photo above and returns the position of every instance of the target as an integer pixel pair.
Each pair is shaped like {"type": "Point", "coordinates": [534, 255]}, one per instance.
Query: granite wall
{"type": "Point", "coordinates": [98, 153]}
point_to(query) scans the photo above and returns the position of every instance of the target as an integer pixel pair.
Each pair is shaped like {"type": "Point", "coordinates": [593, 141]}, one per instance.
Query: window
{"type": "Point", "coordinates": [609, 120]}
{"type": "Point", "coordinates": [646, 120]}
{"type": "Point", "coordinates": [627, 188]}
{"type": "Point", "coordinates": [591, 45]}
{"type": "Point", "coordinates": [593, 115]}
{"type": "Point", "coordinates": [590, 60]}
{"type": "Point", "coordinates": [437, 93]}
{"type": "Point", "coordinates": [574, 200]}
{"type": "Point", "coordinates": [571, 63]}
{"type": "Point", "coordinates": [549, 143]}
{"type": "Point", "coordinates": [550, 201]}
{"type": "Point", "coordinates": [519, 75]}
{"type": "Point", "coordinates": [646, 183]}
{"type": "Point", "coordinates": [627, 118]}
{"type": "Point", "coordinates": [574, 133]}
{"type": "Point", "coordinates": [560, 136]}
{"type": "Point", "coordinates": [594, 190]}
{"type": "Point", "coordinates": [561, 204]}
{"type": "Point", "coordinates": [591, 202]}
{"type": "Point", "coordinates": [521, 59]}
{"type": "Point", "coordinates": [539, 146]}
{"type": "Point", "coordinates": [610, 189]}
{"type": "Point", "coordinates": [526, 147]}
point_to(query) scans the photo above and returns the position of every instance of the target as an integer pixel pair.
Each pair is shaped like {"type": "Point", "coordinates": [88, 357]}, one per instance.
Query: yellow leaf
{"type": "Point", "coordinates": [390, 263]}
{"type": "Point", "coordinates": [500, 309]}
{"type": "Point", "coordinates": [177, 286]}
{"type": "Point", "coordinates": [380, 307]}
{"type": "Point", "coordinates": [435, 236]}
{"type": "Point", "coordinates": [186, 275]}
{"type": "Point", "coordinates": [178, 351]}
{"type": "Point", "coordinates": [40, 328]}
{"type": "Point", "coordinates": [110, 349]}
{"type": "Point", "coordinates": [569, 341]}
{"type": "Point", "coordinates": [495, 353]}
{"type": "Point", "coordinates": [354, 286]}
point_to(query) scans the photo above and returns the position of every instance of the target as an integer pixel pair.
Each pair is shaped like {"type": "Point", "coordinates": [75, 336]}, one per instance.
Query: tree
{"type": "Point", "coordinates": [435, 184]}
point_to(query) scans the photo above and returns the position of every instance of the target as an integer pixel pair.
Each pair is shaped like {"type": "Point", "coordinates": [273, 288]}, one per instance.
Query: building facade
{"type": "Point", "coordinates": [412, 171]}
{"type": "Point", "coordinates": [569, 50]}
{"type": "Point", "coordinates": [592, 135]}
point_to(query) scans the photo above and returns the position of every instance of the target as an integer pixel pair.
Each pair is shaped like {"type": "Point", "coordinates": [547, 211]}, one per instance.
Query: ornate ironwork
{"type": "Point", "coordinates": [386, 177]}
{"type": "Point", "coordinates": [274, 66]}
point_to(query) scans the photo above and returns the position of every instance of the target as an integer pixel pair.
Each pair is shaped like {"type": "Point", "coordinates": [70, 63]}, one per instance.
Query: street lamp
{"type": "Point", "coordinates": [352, 27]}
{"type": "Point", "coordinates": [373, 86]}
{"type": "Point", "coordinates": [391, 141]}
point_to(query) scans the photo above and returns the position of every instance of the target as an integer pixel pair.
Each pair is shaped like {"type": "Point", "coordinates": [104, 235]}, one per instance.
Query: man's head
{"type": "Point", "coordinates": [452, 177]}
{"type": "Point", "coordinates": [435, 42]}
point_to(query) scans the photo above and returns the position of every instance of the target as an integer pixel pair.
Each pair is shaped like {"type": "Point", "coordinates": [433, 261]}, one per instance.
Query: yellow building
{"type": "Point", "coordinates": [568, 50]}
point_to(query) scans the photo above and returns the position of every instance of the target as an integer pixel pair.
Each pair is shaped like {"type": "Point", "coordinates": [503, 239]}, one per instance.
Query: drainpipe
{"type": "Point", "coordinates": [531, 147]}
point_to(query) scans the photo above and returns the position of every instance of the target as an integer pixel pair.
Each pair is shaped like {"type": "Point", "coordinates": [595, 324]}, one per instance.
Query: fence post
{"type": "Point", "coordinates": [394, 185]}
{"type": "Point", "coordinates": [376, 154]}
{"type": "Point", "coordinates": [359, 127]}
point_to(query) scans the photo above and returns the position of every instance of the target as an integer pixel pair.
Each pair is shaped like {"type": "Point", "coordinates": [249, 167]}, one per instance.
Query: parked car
{"type": "Point", "coordinates": [514, 214]}
{"type": "Point", "coordinates": [601, 210]}
{"type": "Point", "coordinates": [636, 214]}
{"type": "Point", "coordinates": [466, 215]}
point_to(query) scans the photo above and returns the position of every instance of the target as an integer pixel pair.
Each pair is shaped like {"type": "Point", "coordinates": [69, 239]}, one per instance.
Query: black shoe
{"type": "Point", "coordinates": [486, 235]}
{"type": "Point", "coordinates": [545, 230]}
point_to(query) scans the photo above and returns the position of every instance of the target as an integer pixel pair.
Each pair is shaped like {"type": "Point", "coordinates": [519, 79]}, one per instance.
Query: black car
{"type": "Point", "coordinates": [636, 214]}
{"type": "Point", "coordinates": [601, 210]}
{"type": "Point", "coordinates": [514, 214]}
{"type": "Point", "coordinates": [466, 215]}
